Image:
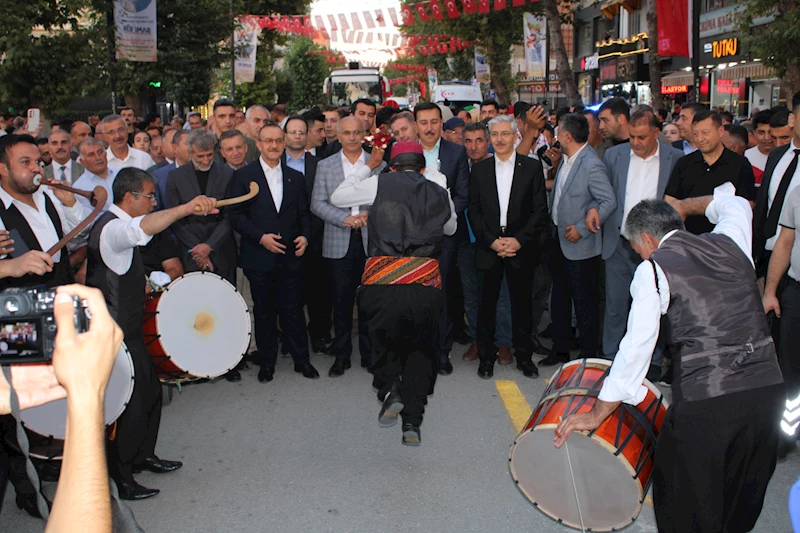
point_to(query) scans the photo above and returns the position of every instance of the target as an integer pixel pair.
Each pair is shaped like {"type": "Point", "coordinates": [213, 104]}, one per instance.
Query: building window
{"type": "Point", "coordinates": [636, 22]}
{"type": "Point", "coordinates": [585, 39]}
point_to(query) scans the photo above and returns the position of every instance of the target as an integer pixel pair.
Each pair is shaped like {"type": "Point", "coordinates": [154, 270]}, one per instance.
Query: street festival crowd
{"type": "Point", "coordinates": [662, 242]}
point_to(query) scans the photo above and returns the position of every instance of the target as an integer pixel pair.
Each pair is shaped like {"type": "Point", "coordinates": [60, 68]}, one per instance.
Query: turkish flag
{"type": "Point", "coordinates": [422, 12]}
{"type": "Point", "coordinates": [423, 50]}
{"type": "Point", "coordinates": [436, 10]}
{"type": "Point", "coordinates": [517, 3]}
{"type": "Point", "coordinates": [673, 38]}
{"type": "Point", "coordinates": [469, 6]}
{"type": "Point", "coordinates": [483, 6]}
{"type": "Point", "coordinates": [499, 4]}
{"type": "Point", "coordinates": [452, 9]}
{"type": "Point", "coordinates": [408, 15]}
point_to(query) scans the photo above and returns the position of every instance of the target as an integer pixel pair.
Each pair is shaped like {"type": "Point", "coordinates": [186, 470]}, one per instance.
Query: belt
{"type": "Point", "coordinates": [750, 347]}
{"type": "Point", "coordinates": [390, 270]}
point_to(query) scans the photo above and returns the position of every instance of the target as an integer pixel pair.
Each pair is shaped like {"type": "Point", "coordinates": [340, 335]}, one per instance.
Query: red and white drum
{"type": "Point", "coordinates": [198, 326]}
{"type": "Point", "coordinates": [612, 465]}
{"type": "Point", "coordinates": [50, 420]}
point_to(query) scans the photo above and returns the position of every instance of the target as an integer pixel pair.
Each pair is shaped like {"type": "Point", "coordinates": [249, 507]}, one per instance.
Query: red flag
{"type": "Point", "coordinates": [408, 15]}
{"type": "Point", "coordinates": [343, 22]}
{"type": "Point", "coordinates": [499, 4]}
{"type": "Point", "coordinates": [379, 18]}
{"type": "Point", "coordinates": [422, 11]}
{"type": "Point", "coordinates": [332, 21]}
{"type": "Point", "coordinates": [436, 10]}
{"type": "Point", "coordinates": [469, 6]}
{"type": "Point", "coordinates": [452, 44]}
{"type": "Point", "coordinates": [483, 6]}
{"type": "Point", "coordinates": [356, 22]}
{"type": "Point", "coordinates": [393, 16]}
{"type": "Point", "coordinates": [517, 3]}
{"type": "Point", "coordinates": [368, 19]}
{"type": "Point", "coordinates": [452, 9]}
{"type": "Point", "coordinates": [673, 38]}
{"type": "Point", "coordinates": [423, 50]}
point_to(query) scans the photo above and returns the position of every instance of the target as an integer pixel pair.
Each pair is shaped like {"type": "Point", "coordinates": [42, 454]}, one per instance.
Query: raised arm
{"type": "Point", "coordinates": [320, 199]}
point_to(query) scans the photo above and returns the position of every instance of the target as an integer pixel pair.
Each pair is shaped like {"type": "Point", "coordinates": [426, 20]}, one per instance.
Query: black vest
{"type": "Point", "coordinates": [718, 332]}
{"type": "Point", "coordinates": [124, 294]}
{"type": "Point", "coordinates": [62, 273]}
{"type": "Point", "coordinates": [407, 217]}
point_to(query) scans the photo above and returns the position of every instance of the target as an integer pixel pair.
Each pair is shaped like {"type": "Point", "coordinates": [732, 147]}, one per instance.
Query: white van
{"type": "Point", "coordinates": [457, 94]}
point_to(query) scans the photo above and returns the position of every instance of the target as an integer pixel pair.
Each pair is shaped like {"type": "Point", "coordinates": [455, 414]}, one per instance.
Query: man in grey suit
{"type": "Point", "coordinates": [582, 192]}
{"type": "Point", "coordinates": [63, 168]}
{"type": "Point", "coordinates": [344, 240]}
{"type": "Point", "coordinates": [637, 172]}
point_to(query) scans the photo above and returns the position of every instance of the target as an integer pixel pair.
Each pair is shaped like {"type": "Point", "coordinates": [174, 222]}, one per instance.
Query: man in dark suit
{"type": "Point", "coordinates": [451, 160]}
{"type": "Point", "coordinates": [507, 212]}
{"type": "Point", "coordinates": [180, 147]}
{"type": "Point", "coordinates": [275, 227]}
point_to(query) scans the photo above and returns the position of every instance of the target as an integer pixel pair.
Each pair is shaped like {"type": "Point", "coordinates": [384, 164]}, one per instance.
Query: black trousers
{"type": "Point", "coordinates": [574, 282]}
{"type": "Point", "coordinates": [345, 279]}
{"type": "Point", "coordinates": [318, 298]}
{"type": "Point", "coordinates": [12, 463]}
{"type": "Point", "coordinates": [788, 354]}
{"type": "Point", "coordinates": [713, 461]}
{"type": "Point", "coordinates": [279, 291]}
{"type": "Point", "coordinates": [404, 330]}
{"type": "Point", "coordinates": [137, 427]}
{"type": "Point", "coordinates": [447, 266]}
{"type": "Point", "coordinates": [520, 289]}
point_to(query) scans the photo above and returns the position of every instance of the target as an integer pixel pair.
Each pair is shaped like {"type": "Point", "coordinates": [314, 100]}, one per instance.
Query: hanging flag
{"type": "Point", "coordinates": [332, 21]}
{"type": "Point", "coordinates": [393, 16]}
{"type": "Point", "coordinates": [394, 40]}
{"type": "Point", "coordinates": [343, 22]}
{"type": "Point", "coordinates": [469, 6]}
{"type": "Point", "coordinates": [483, 6]}
{"type": "Point", "coordinates": [674, 38]}
{"type": "Point", "coordinates": [436, 10]}
{"type": "Point", "coordinates": [517, 3]}
{"type": "Point", "coordinates": [408, 15]}
{"type": "Point", "coordinates": [369, 38]}
{"type": "Point", "coordinates": [422, 11]}
{"type": "Point", "coordinates": [379, 18]}
{"type": "Point", "coordinates": [499, 4]}
{"type": "Point", "coordinates": [136, 30]}
{"type": "Point", "coordinates": [452, 9]}
{"type": "Point", "coordinates": [482, 73]}
{"type": "Point", "coordinates": [359, 37]}
{"type": "Point", "coordinates": [368, 19]}
{"type": "Point", "coordinates": [246, 38]}
{"type": "Point", "coordinates": [356, 22]}
{"type": "Point", "coordinates": [535, 44]}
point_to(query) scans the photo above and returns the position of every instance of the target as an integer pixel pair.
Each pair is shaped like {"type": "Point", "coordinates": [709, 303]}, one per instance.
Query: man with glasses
{"type": "Point", "coordinates": [120, 155]}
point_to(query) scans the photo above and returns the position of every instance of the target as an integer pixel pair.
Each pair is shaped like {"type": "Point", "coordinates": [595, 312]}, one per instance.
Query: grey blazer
{"type": "Point", "coordinates": [214, 230]}
{"type": "Point", "coordinates": [586, 186]}
{"type": "Point", "coordinates": [617, 161]}
{"type": "Point", "coordinates": [336, 236]}
{"type": "Point", "coordinates": [75, 173]}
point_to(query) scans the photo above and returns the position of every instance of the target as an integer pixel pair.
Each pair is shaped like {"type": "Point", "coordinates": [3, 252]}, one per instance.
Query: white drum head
{"type": "Point", "coordinates": [609, 496]}
{"type": "Point", "coordinates": [50, 419]}
{"type": "Point", "coordinates": [203, 324]}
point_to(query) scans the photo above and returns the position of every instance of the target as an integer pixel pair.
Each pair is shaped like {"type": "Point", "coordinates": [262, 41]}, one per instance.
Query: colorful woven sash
{"type": "Point", "coordinates": [389, 270]}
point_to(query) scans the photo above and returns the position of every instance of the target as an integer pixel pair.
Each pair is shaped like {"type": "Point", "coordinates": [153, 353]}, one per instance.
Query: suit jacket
{"type": "Point", "coordinates": [336, 236]}
{"type": "Point", "coordinates": [257, 217]}
{"type": "Point", "coordinates": [317, 224]}
{"type": "Point", "coordinates": [214, 230]}
{"type": "Point", "coordinates": [617, 162]}
{"type": "Point", "coordinates": [527, 211]}
{"type": "Point", "coordinates": [586, 186]}
{"type": "Point", "coordinates": [161, 183]}
{"type": "Point", "coordinates": [454, 164]}
{"type": "Point", "coordinates": [155, 167]}
{"type": "Point", "coordinates": [75, 173]}
{"type": "Point", "coordinates": [761, 209]}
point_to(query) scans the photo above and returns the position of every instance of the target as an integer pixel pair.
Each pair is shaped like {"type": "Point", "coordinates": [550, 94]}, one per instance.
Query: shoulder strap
{"type": "Point", "coordinates": [655, 276]}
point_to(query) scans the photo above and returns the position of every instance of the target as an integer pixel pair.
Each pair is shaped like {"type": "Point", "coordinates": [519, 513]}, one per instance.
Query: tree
{"type": "Point", "coordinates": [655, 60]}
{"type": "Point", "coordinates": [565, 75]}
{"type": "Point", "coordinates": [777, 43]}
{"type": "Point", "coordinates": [307, 70]}
{"type": "Point", "coordinates": [263, 89]}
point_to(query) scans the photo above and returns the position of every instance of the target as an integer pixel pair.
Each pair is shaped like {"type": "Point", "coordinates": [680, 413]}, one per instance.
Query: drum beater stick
{"type": "Point", "coordinates": [574, 486]}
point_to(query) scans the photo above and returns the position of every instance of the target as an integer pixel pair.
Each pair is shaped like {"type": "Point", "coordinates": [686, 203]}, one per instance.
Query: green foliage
{"type": "Point", "coordinates": [307, 70]}
{"type": "Point", "coordinates": [777, 43]}
{"type": "Point", "coordinates": [262, 90]}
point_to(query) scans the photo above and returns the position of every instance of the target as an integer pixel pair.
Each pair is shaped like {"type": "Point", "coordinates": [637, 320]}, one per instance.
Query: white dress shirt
{"type": "Point", "coordinates": [274, 181]}
{"type": "Point", "coordinates": [563, 174]}
{"type": "Point", "coordinates": [775, 182]}
{"type": "Point", "coordinates": [642, 183]}
{"type": "Point", "coordinates": [67, 170]}
{"type": "Point", "coordinates": [88, 181]}
{"type": "Point", "coordinates": [118, 239]}
{"type": "Point", "coordinates": [135, 158]}
{"type": "Point", "coordinates": [40, 222]}
{"type": "Point", "coordinates": [733, 217]}
{"type": "Point", "coordinates": [349, 168]}
{"type": "Point", "coordinates": [361, 188]}
{"type": "Point", "coordinates": [504, 174]}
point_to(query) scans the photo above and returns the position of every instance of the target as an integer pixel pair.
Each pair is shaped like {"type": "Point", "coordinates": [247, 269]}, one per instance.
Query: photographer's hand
{"type": "Point", "coordinates": [34, 384]}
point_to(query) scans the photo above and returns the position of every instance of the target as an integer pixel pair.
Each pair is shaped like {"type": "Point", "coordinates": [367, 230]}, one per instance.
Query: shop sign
{"type": "Point", "coordinates": [722, 48]}
{"type": "Point", "coordinates": [726, 20]}
{"type": "Point", "coordinates": [589, 62]}
{"type": "Point", "coordinates": [626, 68]}
{"type": "Point", "coordinates": [608, 70]}
{"type": "Point", "coordinates": [727, 87]}
{"type": "Point", "coordinates": [674, 89]}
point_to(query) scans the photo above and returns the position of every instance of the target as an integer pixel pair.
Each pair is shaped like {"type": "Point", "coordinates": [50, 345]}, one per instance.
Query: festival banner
{"type": "Point", "coordinates": [136, 30]}
{"type": "Point", "coordinates": [482, 73]}
{"type": "Point", "coordinates": [247, 32]}
{"type": "Point", "coordinates": [673, 38]}
{"type": "Point", "coordinates": [535, 46]}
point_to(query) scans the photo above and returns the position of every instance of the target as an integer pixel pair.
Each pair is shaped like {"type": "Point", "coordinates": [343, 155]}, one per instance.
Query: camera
{"type": "Point", "coordinates": [28, 327]}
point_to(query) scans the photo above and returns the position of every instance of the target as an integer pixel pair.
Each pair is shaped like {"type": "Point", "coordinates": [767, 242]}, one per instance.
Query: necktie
{"type": "Point", "coordinates": [774, 215]}
{"type": "Point", "coordinates": [64, 176]}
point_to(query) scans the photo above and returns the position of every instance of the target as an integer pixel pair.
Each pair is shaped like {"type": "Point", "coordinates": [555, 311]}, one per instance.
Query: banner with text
{"type": "Point", "coordinates": [247, 33]}
{"type": "Point", "coordinates": [136, 30]}
{"type": "Point", "coordinates": [482, 73]}
{"type": "Point", "coordinates": [535, 46]}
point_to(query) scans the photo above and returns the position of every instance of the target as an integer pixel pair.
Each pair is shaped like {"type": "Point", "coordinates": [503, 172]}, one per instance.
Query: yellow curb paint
{"type": "Point", "coordinates": [517, 407]}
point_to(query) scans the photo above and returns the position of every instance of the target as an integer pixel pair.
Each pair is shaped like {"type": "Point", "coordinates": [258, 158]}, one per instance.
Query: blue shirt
{"type": "Point", "coordinates": [298, 164]}
{"type": "Point", "coordinates": [432, 156]}
{"type": "Point", "coordinates": [688, 148]}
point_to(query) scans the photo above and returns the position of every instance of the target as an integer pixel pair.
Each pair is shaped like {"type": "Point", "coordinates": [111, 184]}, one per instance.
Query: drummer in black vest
{"type": "Point", "coordinates": [115, 266]}
{"type": "Point", "coordinates": [717, 446]}
{"type": "Point", "coordinates": [38, 217]}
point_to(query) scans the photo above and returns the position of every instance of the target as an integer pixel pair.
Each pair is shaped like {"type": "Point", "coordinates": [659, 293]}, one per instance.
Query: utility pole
{"type": "Point", "coordinates": [696, 48]}
{"type": "Point", "coordinates": [546, 60]}
{"type": "Point", "coordinates": [111, 37]}
{"type": "Point", "coordinates": [233, 53]}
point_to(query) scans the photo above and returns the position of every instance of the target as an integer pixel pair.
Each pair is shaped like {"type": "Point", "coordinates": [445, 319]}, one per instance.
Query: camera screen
{"type": "Point", "coordinates": [19, 339]}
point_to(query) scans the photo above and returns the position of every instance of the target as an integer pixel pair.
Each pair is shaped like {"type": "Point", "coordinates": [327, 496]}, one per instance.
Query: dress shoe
{"type": "Point", "coordinates": [504, 356]}
{"type": "Point", "coordinates": [134, 491]}
{"type": "Point", "coordinates": [29, 504]}
{"type": "Point", "coordinates": [471, 354]}
{"type": "Point", "coordinates": [266, 374]}
{"type": "Point", "coordinates": [486, 369]}
{"type": "Point", "coordinates": [529, 370]}
{"type": "Point", "coordinates": [445, 366]}
{"type": "Point", "coordinates": [539, 348]}
{"type": "Point", "coordinates": [392, 406]}
{"type": "Point", "coordinates": [554, 359]}
{"type": "Point", "coordinates": [338, 367]}
{"type": "Point", "coordinates": [411, 435]}
{"type": "Point", "coordinates": [233, 375]}
{"type": "Point", "coordinates": [157, 466]}
{"type": "Point", "coordinates": [307, 370]}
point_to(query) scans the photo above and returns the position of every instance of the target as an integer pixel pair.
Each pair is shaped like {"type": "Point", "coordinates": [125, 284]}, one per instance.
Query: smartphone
{"type": "Point", "coordinates": [33, 119]}
{"type": "Point", "coordinates": [20, 248]}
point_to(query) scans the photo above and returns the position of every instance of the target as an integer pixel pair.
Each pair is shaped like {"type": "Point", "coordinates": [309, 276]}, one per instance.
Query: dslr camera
{"type": "Point", "coordinates": [28, 327]}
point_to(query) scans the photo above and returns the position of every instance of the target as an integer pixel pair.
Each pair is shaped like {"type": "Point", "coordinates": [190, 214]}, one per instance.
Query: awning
{"type": "Point", "coordinates": [677, 79]}
{"type": "Point", "coordinates": [611, 7]}
{"type": "Point", "coordinates": [748, 70]}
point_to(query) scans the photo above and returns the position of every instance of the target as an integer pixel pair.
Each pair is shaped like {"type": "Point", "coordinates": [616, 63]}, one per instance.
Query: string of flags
{"type": "Point", "coordinates": [406, 67]}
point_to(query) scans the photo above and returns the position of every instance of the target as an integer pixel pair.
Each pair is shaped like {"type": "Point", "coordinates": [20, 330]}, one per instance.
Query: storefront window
{"type": "Point", "coordinates": [585, 39]}
{"type": "Point", "coordinates": [726, 94]}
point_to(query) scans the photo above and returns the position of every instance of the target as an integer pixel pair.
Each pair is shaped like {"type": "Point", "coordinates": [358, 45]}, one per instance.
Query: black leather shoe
{"type": "Point", "coordinates": [554, 359]}
{"type": "Point", "coordinates": [27, 502]}
{"type": "Point", "coordinates": [529, 370]}
{"type": "Point", "coordinates": [486, 369]}
{"type": "Point", "coordinates": [134, 491]}
{"type": "Point", "coordinates": [539, 348]}
{"type": "Point", "coordinates": [266, 374]}
{"type": "Point", "coordinates": [411, 435]}
{"type": "Point", "coordinates": [445, 366]}
{"type": "Point", "coordinates": [338, 368]}
{"type": "Point", "coordinates": [307, 370]}
{"type": "Point", "coordinates": [157, 466]}
{"type": "Point", "coordinates": [392, 406]}
{"type": "Point", "coordinates": [233, 375]}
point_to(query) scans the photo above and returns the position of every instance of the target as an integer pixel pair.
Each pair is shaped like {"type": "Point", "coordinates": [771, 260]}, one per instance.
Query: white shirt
{"type": "Point", "coordinates": [360, 187]}
{"type": "Point", "coordinates": [349, 168]}
{"type": "Point", "coordinates": [756, 158]}
{"type": "Point", "coordinates": [118, 239]}
{"type": "Point", "coordinates": [40, 222]}
{"type": "Point", "coordinates": [67, 170]}
{"type": "Point", "coordinates": [135, 158]}
{"type": "Point", "coordinates": [733, 217]}
{"type": "Point", "coordinates": [504, 175]}
{"type": "Point", "coordinates": [563, 174]}
{"type": "Point", "coordinates": [775, 182]}
{"type": "Point", "coordinates": [274, 181]}
{"type": "Point", "coordinates": [642, 183]}
{"type": "Point", "coordinates": [88, 181]}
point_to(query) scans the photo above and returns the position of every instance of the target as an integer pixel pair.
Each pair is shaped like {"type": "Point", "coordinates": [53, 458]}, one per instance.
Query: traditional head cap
{"type": "Point", "coordinates": [407, 153]}
{"type": "Point", "coordinates": [453, 123]}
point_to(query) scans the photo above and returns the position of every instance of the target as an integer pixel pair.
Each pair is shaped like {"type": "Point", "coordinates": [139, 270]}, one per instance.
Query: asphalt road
{"type": "Point", "coordinates": [297, 455]}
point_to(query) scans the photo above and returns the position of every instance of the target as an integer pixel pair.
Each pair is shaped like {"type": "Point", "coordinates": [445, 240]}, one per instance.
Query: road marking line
{"type": "Point", "coordinates": [517, 407]}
